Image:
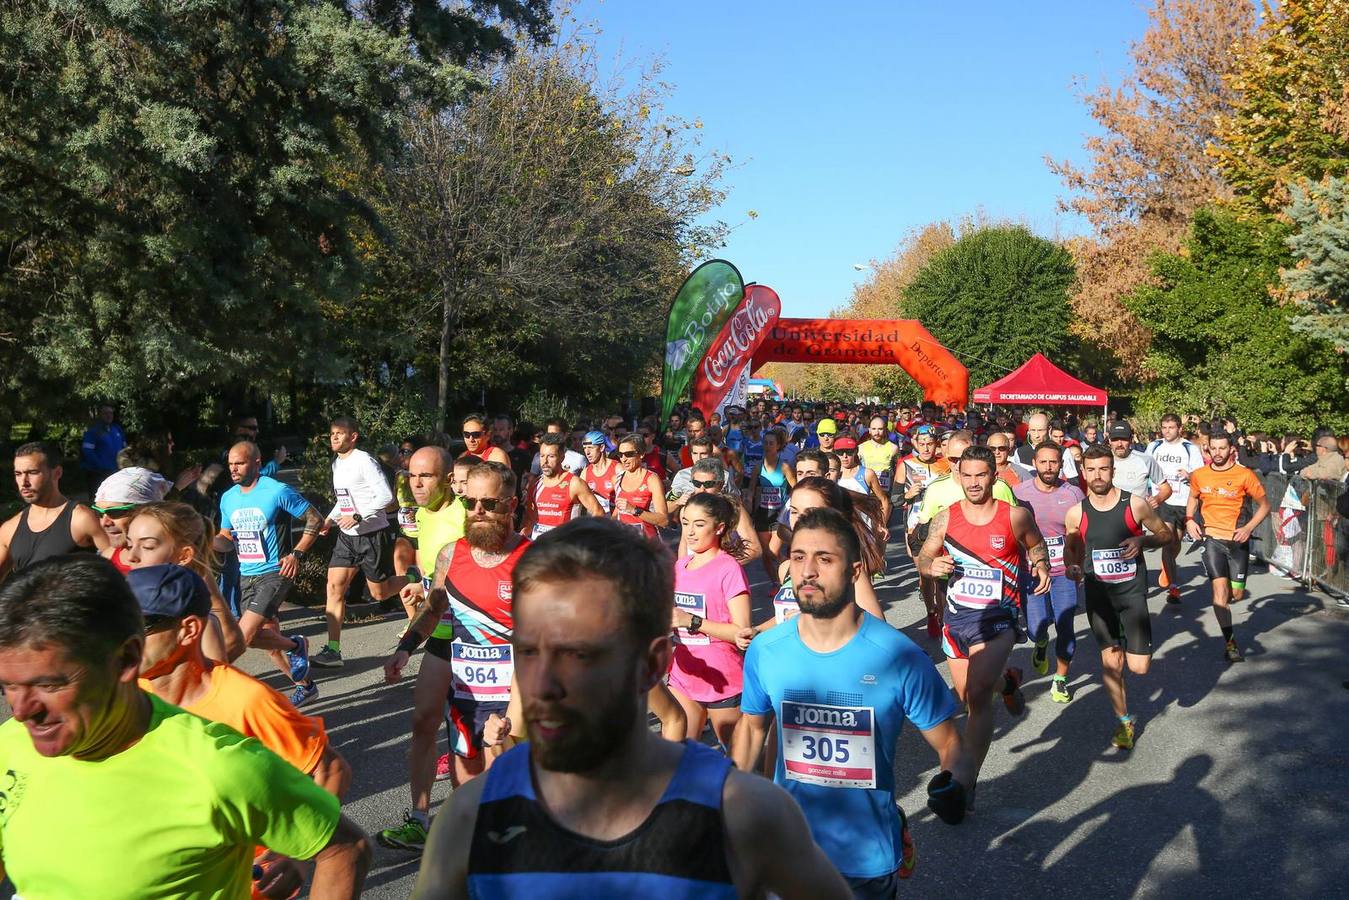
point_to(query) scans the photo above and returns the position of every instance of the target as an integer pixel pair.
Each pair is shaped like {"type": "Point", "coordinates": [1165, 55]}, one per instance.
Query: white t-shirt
{"type": "Point", "coordinates": [1172, 457]}
{"type": "Point", "coordinates": [361, 489]}
{"type": "Point", "coordinates": [1138, 474]}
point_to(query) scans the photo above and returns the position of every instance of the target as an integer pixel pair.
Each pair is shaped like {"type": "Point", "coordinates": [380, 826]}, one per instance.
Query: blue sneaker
{"type": "Point", "coordinates": [303, 693]}
{"type": "Point", "coordinates": [298, 659]}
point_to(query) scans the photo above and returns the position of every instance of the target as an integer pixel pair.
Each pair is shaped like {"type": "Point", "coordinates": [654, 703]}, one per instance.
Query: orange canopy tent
{"type": "Point", "coordinates": [1040, 382]}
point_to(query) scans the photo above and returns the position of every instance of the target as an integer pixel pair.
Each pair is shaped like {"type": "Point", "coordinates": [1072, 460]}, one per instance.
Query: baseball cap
{"type": "Point", "coordinates": [133, 485]}
{"type": "Point", "coordinates": [845, 443]}
{"type": "Point", "coordinates": [170, 592]}
{"type": "Point", "coordinates": [594, 437]}
{"type": "Point", "coordinates": [826, 426]}
{"type": "Point", "coordinates": [841, 416]}
{"type": "Point", "coordinates": [1120, 431]}
{"type": "Point", "coordinates": [923, 429]}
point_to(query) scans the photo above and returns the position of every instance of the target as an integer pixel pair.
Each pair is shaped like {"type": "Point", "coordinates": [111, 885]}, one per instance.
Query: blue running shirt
{"type": "Point", "coordinates": [839, 716]}
{"type": "Point", "coordinates": [251, 517]}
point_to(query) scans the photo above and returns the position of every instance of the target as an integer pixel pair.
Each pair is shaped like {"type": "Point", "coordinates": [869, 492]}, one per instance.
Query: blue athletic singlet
{"type": "Point", "coordinates": [518, 851]}
{"type": "Point", "coordinates": [772, 487]}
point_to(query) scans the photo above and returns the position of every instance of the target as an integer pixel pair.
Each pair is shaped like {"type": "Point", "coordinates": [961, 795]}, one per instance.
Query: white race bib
{"type": "Point", "coordinates": [832, 746]}
{"type": "Point", "coordinates": [886, 477]}
{"type": "Point", "coordinates": [482, 672]}
{"type": "Point", "coordinates": [976, 586]}
{"type": "Point", "coordinates": [539, 531]}
{"type": "Point", "coordinates": [784, 604]}
{"type": "Point", "coordinates": [1055, 547]}
{"type": "Point", "coordinates": [345, 505]}
{"type": "Point", "coordinates": [407, 517]}
{"type": "Point", "coordinates": [250, 547]}
{"type": "Point", "coordinates": [1111, 567]}
{"type": "Point", "coordinates": [694, 605]}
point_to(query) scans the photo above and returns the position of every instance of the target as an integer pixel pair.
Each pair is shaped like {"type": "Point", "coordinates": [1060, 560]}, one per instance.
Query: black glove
{"type": "Point", "coordinates": [946, 798]}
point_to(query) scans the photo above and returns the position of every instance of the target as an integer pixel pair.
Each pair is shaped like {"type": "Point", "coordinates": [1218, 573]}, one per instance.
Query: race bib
{"type": "Point", "coordinates": [770, 497]}
{"type": "Point", "coordinates": [482, 672]}
{"type": "Point", "coordinates": [887, 478]}
{"type": "Point", "coordinates": [407, 518]}
{"type": "Point", "coordinates": [694, 605]}
{"type": "Point", "coordinates": [249, 546]}
{"type": "Point", "coordinates": [976, 586]}
{"type": "Point", "coordinates": [918, 477]}
{"type": "Point", "coordinates": [784, 604]}
{"type": "Point", "coordinates": [1055, 547]}
{"type": "Point", "coordinates": [832, 746]}
{"type": "Point", "coordinates": [1111, 568]}
{"type": "Point", "coordinates": [539, 531]}
{"type": "Point", "coordinates": [345, 505]}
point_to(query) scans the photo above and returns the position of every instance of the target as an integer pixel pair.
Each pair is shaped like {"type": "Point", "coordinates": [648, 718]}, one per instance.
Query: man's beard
{"type": "Point", "coordinates": [489, 535]}
{"type": "Point", "coordinates": [591, 739]}
{"type": "Point", "coordinates": [1100, 488]}
{"type": "Point", "coordinates": [824, 609]}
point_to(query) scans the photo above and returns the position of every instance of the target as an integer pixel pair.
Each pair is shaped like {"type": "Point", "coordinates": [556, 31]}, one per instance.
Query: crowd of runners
{"type": "Point", "coordinates": [619, 717]}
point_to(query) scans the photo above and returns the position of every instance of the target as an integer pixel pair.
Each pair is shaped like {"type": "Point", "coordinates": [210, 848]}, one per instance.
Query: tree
{"type": "Point", "coordinates": [1292, 120]}
{"type": "Point", "coordinates": [1220, 346]}
{"type": "Point", "coordinates": [545, 223]}
{"type": "Point", "coordinates": [995, 298]}
{"type": "Point", "coordinates": [1319, 283]}
{"type": "Point", "coordinates": [1149, 171]}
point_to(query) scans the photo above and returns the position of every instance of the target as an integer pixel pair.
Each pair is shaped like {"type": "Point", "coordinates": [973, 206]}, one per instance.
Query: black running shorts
{"type": "Point", "coordinates": [371, 553]}
{"type": "Point", "coordinates": [1227, 559]}
{"type": "Point", "coordinates": [1119, 618]}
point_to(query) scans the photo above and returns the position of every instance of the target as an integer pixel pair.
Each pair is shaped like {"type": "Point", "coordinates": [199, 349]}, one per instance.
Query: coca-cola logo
{"type": "Point", "coordinates": [743, 329]}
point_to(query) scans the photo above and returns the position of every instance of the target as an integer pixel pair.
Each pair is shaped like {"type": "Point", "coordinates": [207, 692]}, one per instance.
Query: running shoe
{"type": "Point", "coordinates": [1014, 700]}
{"type": "Point", "coordinates": [328, 658]}
{"type": "Point", "coordinates": [1039, 657]}
{"type": "Point", "coordinates": [1232, 653]}
{"type": "Point", "coordinates": [298, 659]}
{"type": "Point", "coordinates": [1058, 691]}
{"type": "Point", "coordinates": [1124, 736]}
{"type": "Point", "coordinates": [908, 861]}
{"type": "Point", "coordinates": [1173, 595]}
{"type": "Point", "coordinates": [411, 835]}
{"type": "Point", "coordinates": [443, 767]}
{"type": "Point", "coordinates": [303, 693]}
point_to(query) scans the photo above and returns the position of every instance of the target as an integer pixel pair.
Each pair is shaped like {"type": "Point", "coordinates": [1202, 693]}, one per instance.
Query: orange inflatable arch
{"type": "Point", "coordinates": [897, 342]}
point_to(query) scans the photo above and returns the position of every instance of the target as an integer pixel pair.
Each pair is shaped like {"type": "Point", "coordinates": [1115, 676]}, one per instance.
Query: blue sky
{"type": "Point", "coordinates": [851, 124]}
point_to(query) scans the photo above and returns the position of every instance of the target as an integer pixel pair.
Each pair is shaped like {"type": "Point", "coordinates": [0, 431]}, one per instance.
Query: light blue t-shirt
{"type": "Point", "coordinates": [252, 518]}
{"type": "Point", "coordinates": [839, 716]}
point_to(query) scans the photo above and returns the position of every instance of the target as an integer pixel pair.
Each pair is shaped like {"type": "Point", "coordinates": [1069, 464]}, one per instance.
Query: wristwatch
{"type": "Point", "coordinates": [298, 554]}
{"type": "Point", "coordinates": [695, 623]}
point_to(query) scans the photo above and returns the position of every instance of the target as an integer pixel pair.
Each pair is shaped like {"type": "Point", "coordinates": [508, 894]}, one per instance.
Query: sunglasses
{"type": "Point", "coordinates": [473, 435]}
{"type": "Point", "coordinates": [489, 504]}
{"type": "Point", "coordinates": [115, 512]}
{"type": "Point", "coordinates": [629, 454]}
{"type": "Point", "coordinates": [999, 449]}
{"type": "Point", "coordinates": [156, 623]}
{"type": "Point", "coordinates": [704, 484]}
{"type": "Point", "coordinates": [843, 451]}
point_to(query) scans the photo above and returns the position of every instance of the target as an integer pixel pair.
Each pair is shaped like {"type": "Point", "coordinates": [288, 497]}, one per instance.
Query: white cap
{"type": "Point", "coordinates": [132, 485]}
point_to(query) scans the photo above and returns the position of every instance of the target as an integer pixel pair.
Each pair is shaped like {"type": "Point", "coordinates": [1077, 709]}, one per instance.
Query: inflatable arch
{"type": "Point", "coordinates": [898, 342]}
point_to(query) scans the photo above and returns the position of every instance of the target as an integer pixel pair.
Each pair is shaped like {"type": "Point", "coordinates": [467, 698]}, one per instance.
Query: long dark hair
{"type": "Point", "coordinates": [854, 506]}
{"type": "Point", "coordinates": [719, 508]}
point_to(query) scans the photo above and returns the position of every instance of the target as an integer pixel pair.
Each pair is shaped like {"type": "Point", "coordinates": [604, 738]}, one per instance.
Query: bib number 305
{"type": "Point", "coordinates": [832, 746]}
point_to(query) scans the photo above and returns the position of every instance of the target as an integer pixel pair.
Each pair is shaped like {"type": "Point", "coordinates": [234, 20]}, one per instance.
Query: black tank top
{"type": "Point", "coordinates": [29, 547]}
{"type": "Point", "coordinates": [1103, 531]}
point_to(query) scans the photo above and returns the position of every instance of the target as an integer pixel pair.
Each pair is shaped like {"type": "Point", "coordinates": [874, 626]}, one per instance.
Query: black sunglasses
{"type": "Point", "coordinates": [704, 484]}
{"type": "Point", "coordinates": [473, 435]}
{"type": "Point", "coordinates": [629, 454]}
{"type": "Point", "coordinates": [490, 504]}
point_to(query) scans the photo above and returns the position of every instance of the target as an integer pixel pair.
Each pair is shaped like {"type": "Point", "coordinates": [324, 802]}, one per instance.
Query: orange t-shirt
{"type": "Point", "coordinates": [255, 710]}
{"type": "Point", "coordinates": [1222, 498]}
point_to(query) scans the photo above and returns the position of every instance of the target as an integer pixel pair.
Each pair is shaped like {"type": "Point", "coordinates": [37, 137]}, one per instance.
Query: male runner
{"type": "Point", "coordinates": [1178, 459]}
{"type": "Point", "coordinates": [477, 443]}
{"type": "Point", "coordinates": [1105, 543]}
{"type": "Point", "coordinates": [468, 617]}
{"type": "Point", "coordinates": [1216, 514]}
{"type": "Point", "coordinates": [840, 685]}
{"type": "Point", "coordinates": [600, 472]}
{"type": "Point", "coordinates": [365, 539]}
{"type": "Point", "coordinates": [1037, 432]}
{"type": "Point", "coordinates": [148, 800]}
{"type": "Point", "coordinates": [917, 470]}
{"type": "Point", "coordinates": [557, 493]}
{"type": "Point", "coordinates": [250, 514]}
{"type": "Point", "coordinates": [1136, 472]}
{"type": "Point", "coordinates": [49, 524]}
{"type": "Point", "coordinates": [1050, 498]}
{"type": "Point", "coordinates": [595, 804]}
{"type": "Point", "coordinates": [1009, 472]}
{"type": "Point", "coordinates": [978, 542]}
{"type": "Point", "coordinates": [681, 486]}
{"type": "Point", "coordinates": [878, 453]}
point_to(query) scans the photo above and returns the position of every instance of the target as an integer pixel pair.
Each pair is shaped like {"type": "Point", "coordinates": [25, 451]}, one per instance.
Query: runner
{"type": "Point", "coordinates": [1037, 432]}
{"type": "Point", "coordinates": [468, 617]}
{"type": "Point", "coordinates": [978, 542]}
{"type": "Point", "coordinates": [600, 472]}
{"type": "Point", "coordinates": [49, 524]}
{"type": "Point", "coordinates": [1050, 498]}
{"type": "Point", "coordinates": [639, 497]}
{"type": "Point", "coordinates": [840, 685]}
{"type": "Point", "coordinates": [557, 494]}
{"type": "Point", "coordinates": [364, 540]}
{"type": "Point", "coordinates": [163, 533]}
{"type": "Point", "coordinates": [148, 800]}
{"type": "Point", "coordinates": [708, 477]}
{"type": "Point", "coordinates": [120, 494]}
{"type": "Point", "coordinates": [1008, 472]}
{"type": "Point", "coordinates": [879, 453]}
{"type": "Point", "coordinates": [856, 477]}
{"type": "Point", "coordinates": [1178, 459]}
{"type": "Point", "coordinates": [711, 618]}
{"type": "Point", "coordinates": [595, 805]}
{"type": "Point", "coordinates": [826, 432]}
{"type": "Point", "coordinates": [1135, 472]}
{"type": "Point", "coordinates": [1105, 543]}
{"type": "Point", "coordinates": [176, 604]}
{"type": "Point", "coordinates": [250, 513]}
{"type": "Point", "coordinates": [405, 544]}
{"type": "Point", "coordinates": [770, 483]}
{"type": "Point", "coordinates": [1216, 514]}
{"type": "Point", "coordinates": [477, 444]}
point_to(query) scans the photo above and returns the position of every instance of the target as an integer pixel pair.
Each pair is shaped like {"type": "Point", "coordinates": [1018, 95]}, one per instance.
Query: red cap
{"type": "Point", "coordinates": [845, 443]}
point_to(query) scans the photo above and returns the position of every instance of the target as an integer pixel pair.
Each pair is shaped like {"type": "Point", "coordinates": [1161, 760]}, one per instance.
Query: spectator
{"type": "Point", "coordinates": [1329, 464]}
{"type": "Point", "coordinates": [99, 447]}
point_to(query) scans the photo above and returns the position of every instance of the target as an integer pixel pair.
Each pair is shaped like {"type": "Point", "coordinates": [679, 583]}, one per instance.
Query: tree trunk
{"type": "Point", "coordinates": [443, 375]}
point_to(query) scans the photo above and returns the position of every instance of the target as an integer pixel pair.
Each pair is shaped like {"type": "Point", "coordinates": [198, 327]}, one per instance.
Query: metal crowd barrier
{"type": "Point", "coordinates": [1314, 550]}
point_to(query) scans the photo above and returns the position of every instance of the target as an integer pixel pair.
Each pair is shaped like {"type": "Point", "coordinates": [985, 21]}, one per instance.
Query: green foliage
{"type": "Point", "coordinates": [995, 298]}
{"type": "Point", "coordinates": [1221, 345]}
{"type": "Point", "coordinates": [1320, 240]}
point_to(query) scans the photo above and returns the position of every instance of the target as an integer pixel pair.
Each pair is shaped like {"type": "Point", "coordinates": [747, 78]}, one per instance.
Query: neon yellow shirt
{"type": "Point", "coordinates": [175, 815]}
{"type": "Point", "coordinates": [945, 491]}
{"type": "Point", "coordinates": [879, 458]}
{"type": "Point", "coordinates": [435, 529]}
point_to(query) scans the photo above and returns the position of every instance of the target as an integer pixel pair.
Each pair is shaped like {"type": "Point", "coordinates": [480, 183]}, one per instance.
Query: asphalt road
{"type": "Point", "coordinates": [1239, 783]}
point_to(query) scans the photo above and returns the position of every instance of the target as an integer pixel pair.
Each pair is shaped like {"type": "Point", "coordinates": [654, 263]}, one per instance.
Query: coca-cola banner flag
{"type": "Point", "coordinates": [723, 376]}
{"type": "Point", "coordinates": [707, 300]}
